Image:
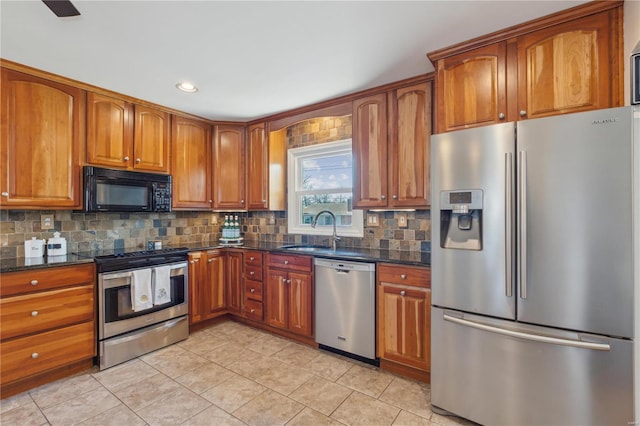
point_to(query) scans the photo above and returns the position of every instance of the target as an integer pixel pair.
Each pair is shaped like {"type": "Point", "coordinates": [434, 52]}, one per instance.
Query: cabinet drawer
{"type": "Point", "coordinates": [253, 290]}
{"type": "Point", "coordinates": [290, 262]}
{"type": "Point", "coordinates": [253, 309]}
{"type": "Point", "coordinates": [41, 352]}
{"type": "Point", "coordinates": [46, 279]}
{"type": "Point", "coordinates": [404, 275]}
{"type": "Point", "coordinates": [253, 258]}
{"type": "Point", "coordinates": [253, 273]}
{"type": "Point", "coordinates": [33, 313]}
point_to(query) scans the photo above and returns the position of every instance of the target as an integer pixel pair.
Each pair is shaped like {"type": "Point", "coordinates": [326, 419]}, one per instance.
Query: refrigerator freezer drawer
{"type": "Point", "coordinates": [503, 373]}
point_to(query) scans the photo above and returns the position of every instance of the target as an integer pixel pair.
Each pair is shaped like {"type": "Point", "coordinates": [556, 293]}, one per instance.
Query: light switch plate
{"type": "Point", "coordinates": [46, 221]}
{"type": "Point", "coordinates": [402, 220]}
{"type": "Point", "coordinates": [372, 219]}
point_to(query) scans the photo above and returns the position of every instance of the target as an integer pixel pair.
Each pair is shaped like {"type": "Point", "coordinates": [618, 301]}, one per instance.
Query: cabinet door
{"type": "Point", "coordinates": [228, 171]}
{"type": "Point", "coordinates": [41, 142]}
{"type": "Point", "coordinates": [409, 146]}
{"type": "Point", "coordinates": [369, 143]}
{"type": "Point", "coordinates": [257, 168]}
{"type": "Point", "coordinates": [569, 67]}
{"type": "Point", "coordinates": [109, 131]}
{"type": "Point", "coordinates": [214, 287]}
{"type": "Point", "coordinates": [404, 325]}
{"type": "Point", "coordinates": [197, 274]}
{"type": "Point", "coordinates": [191, 164]}
{"type": "Point", "coordinates": [276, 298]}
{"type": "Point", "coordinates": [300, 303]}
{"type": "Point", "coordinates": [471, 88]}
{"type": "Point", "coordinates": [234, 281]}
{"type": "Point", "coordinates": [151, 139]}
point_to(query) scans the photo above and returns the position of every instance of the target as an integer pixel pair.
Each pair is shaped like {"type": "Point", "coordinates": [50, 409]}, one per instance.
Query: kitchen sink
{"type": "Point", "coordinates": [307, 248]}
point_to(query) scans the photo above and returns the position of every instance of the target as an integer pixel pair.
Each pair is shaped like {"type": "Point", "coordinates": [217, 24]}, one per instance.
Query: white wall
{"type": "Point", "coordinates": [631, 27]}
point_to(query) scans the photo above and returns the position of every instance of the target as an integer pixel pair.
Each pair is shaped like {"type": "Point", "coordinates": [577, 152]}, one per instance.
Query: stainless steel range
{"type": "Point", "coordinates": [142, 302]}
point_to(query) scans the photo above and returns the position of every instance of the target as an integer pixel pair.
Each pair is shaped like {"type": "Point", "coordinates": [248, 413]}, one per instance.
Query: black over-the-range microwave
{"type": "Point", "coordinates": [107, 190]}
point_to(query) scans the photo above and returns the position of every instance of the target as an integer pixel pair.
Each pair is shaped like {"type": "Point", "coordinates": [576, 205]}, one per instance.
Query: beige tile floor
{"type": "Point", "coordinates": [229, 374]}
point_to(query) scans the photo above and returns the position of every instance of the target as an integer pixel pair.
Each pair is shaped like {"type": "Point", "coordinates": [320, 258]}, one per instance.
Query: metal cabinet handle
{"type": "Point", "coordinates": [286, 262]}
{"type": "Point", "coordinates": [523, 113]}
{"type": "Point", "coordinates": [34, 282]}
{"type": "Point", "coordinates": [403, 276]}
{"type": "Point", "coordinates": [138, 161]}
{"type": "Point", "coordinates": [34, 355]}
{"type": "Point", "coordinates": [241, 201]}
{"type": "Point", "coordinates": [288, 281]}
{"type": "Point", "coordinates": [383, 197]}
{"type": "Point", "coordinates": [253, 290]}
{"type": "Point", "coordinates": [395, 197]}
{"type": "Point", "coordinates": [5, 194]}
{"type": "Point", "coordinates": [252, 258]}
{"type": "Point", "coordinates": [34, 313]}
{"type": "Point", "coordinates": [252, 310]}
{"type": "Point", "coordinates": [126, 158]}
{"type": "Point", "coordinates": [210, 260]}
{"type": "Point", "coordinates": [210, 201]}
{"type": "Point", "coordinates": [252, 273]}
{"type": "Point", "coordinates": [501, 116]}
{"type": "Point", "coordinates": [402, 293]}
{"type": "Point", "coordinates": [264, 201]}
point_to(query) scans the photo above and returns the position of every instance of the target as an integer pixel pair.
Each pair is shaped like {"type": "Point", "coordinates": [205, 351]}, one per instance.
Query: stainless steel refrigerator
{"type": "Point", "coordinates": [534, 245]}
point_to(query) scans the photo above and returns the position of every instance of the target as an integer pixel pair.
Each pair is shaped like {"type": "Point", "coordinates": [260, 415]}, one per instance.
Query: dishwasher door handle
{"type": "Point", "coordinates": [342, 271]}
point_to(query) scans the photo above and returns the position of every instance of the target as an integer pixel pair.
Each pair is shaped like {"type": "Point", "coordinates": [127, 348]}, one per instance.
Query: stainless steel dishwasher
{"type": "Point", "coordinates": [345, 307]}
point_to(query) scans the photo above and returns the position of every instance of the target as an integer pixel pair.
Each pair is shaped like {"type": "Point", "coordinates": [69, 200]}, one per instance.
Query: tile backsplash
{"type": "Point", "coordinates": [96, 231]}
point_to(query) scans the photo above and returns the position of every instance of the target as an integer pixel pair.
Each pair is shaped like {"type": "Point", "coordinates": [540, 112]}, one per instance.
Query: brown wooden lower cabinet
{"type": "Point", "coordinates": [253, 286]}
{"type": "Point", "coordinates": [233, 281]}
{"type": "Point", "coordinates": [289, 293]}
{"type": "Point", "coordinates": [404, 316]}
{"type": "Point", "coordinates": [206, 285]}
{"type": "Point", "coordinates": [47, 325]}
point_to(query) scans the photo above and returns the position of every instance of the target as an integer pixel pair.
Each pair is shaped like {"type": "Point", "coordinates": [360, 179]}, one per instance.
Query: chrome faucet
{"type": "Point", "coordinates": [334, 237]}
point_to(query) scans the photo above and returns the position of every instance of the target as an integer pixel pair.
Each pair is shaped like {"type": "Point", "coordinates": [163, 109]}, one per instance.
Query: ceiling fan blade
{"type": "Point", "coordinates": [62, 8]}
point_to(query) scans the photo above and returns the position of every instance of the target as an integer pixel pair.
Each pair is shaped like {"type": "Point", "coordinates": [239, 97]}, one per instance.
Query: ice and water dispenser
{"type": "Point", "coordinates": [461, 219]}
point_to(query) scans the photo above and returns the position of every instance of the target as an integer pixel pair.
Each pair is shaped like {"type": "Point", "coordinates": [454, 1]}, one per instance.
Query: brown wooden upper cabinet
{"type": "Point", "coordinates": [41, 142]}
{"type": "Point", "coordinates": [266, 168]}
{"type": "Point", "coordinates": [191, 164]}
{"type": "Point", "coordinates": [229, 167]}
{"type": "Point", "coordinates": [126, 136]}
{"type": "Point", "coordinates": [563, 63]}
{"type": "Point", "coordinates": [391, 148]}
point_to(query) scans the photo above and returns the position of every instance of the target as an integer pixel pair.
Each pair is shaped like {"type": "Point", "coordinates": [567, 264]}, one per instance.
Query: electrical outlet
{"type": "Point", "coordinates": [272, 219]}
{"type": "Point", "coordinates": [46, 221]}
{"type": "Point", "coordinates": [402, 220]}
{"type": "Point", "coordinates": [372, 219]}
{"type": "Point", "coordinates": [214, 219]}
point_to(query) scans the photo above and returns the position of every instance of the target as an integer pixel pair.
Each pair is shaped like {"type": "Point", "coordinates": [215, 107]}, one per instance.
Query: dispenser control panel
{"type": "Point", "coordinates": [461, 201]}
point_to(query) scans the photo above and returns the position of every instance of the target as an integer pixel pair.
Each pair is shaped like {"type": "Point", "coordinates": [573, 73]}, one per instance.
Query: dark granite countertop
{"type": "Point", "coordinates": [415, 258]}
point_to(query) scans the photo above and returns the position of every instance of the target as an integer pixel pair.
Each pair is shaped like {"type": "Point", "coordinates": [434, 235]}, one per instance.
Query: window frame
{"type": "Point", "coordinates": [295, 156]}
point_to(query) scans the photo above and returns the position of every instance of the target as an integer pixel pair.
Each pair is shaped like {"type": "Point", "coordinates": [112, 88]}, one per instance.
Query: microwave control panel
{"type": "Point", "coordinates": [162, 197]}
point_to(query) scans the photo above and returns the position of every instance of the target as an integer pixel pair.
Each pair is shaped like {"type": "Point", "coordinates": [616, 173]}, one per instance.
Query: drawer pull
{"type": "Point", "coordinates": [5, 194]}
{"type": "Point", "coordinates": [34, 282]}
{"type": "Point", "coordinates": [210, 260]}
{"type": "Point", "coordinates": [252, 273]}
{"type": "Point", "coordinates": [138, 161]}
{"type": "Point", "coordinates": [34, 313]}
{"type": "Point", "coordinates": [253, 290]}
{"type": "Point", "coordinates": [403, 276]}
{"type": "Point", "coordinates": [126, 158]}
{"type": "Point", "coordinates": [34, 355]}
{"type": "Point", "coordinates": [252, 258]}
{"type": "Point", "coordinates": [402, 293]}
{"type": "Point", "coordinates": [286, 262]}
{"type": "Point", "coordinates": [252, 310]}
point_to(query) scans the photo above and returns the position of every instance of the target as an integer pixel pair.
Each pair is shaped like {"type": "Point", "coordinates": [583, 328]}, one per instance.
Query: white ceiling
{"type": "Point", "coordinates": [249, 58]}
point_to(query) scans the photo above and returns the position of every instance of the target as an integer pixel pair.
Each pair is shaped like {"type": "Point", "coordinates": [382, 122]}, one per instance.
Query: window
{"type": "Point", "coordinates": [320, 177]}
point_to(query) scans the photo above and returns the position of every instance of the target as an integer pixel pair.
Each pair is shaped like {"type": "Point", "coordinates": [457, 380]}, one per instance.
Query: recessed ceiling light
{"type": "Point", "coordinates": [185, 86]}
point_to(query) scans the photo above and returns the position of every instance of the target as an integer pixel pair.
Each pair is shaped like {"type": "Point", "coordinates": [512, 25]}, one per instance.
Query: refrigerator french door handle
{"type": "Point", "coordinates": [508, 237]}
{"type": "Point", "coordinates": [528, 336]}
{"type": "Point", "coordinates": [522, 224]}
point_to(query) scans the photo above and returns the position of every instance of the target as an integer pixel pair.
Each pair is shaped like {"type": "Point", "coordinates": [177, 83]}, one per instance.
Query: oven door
{"type": "Point", "coordinates": [116, 315]}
